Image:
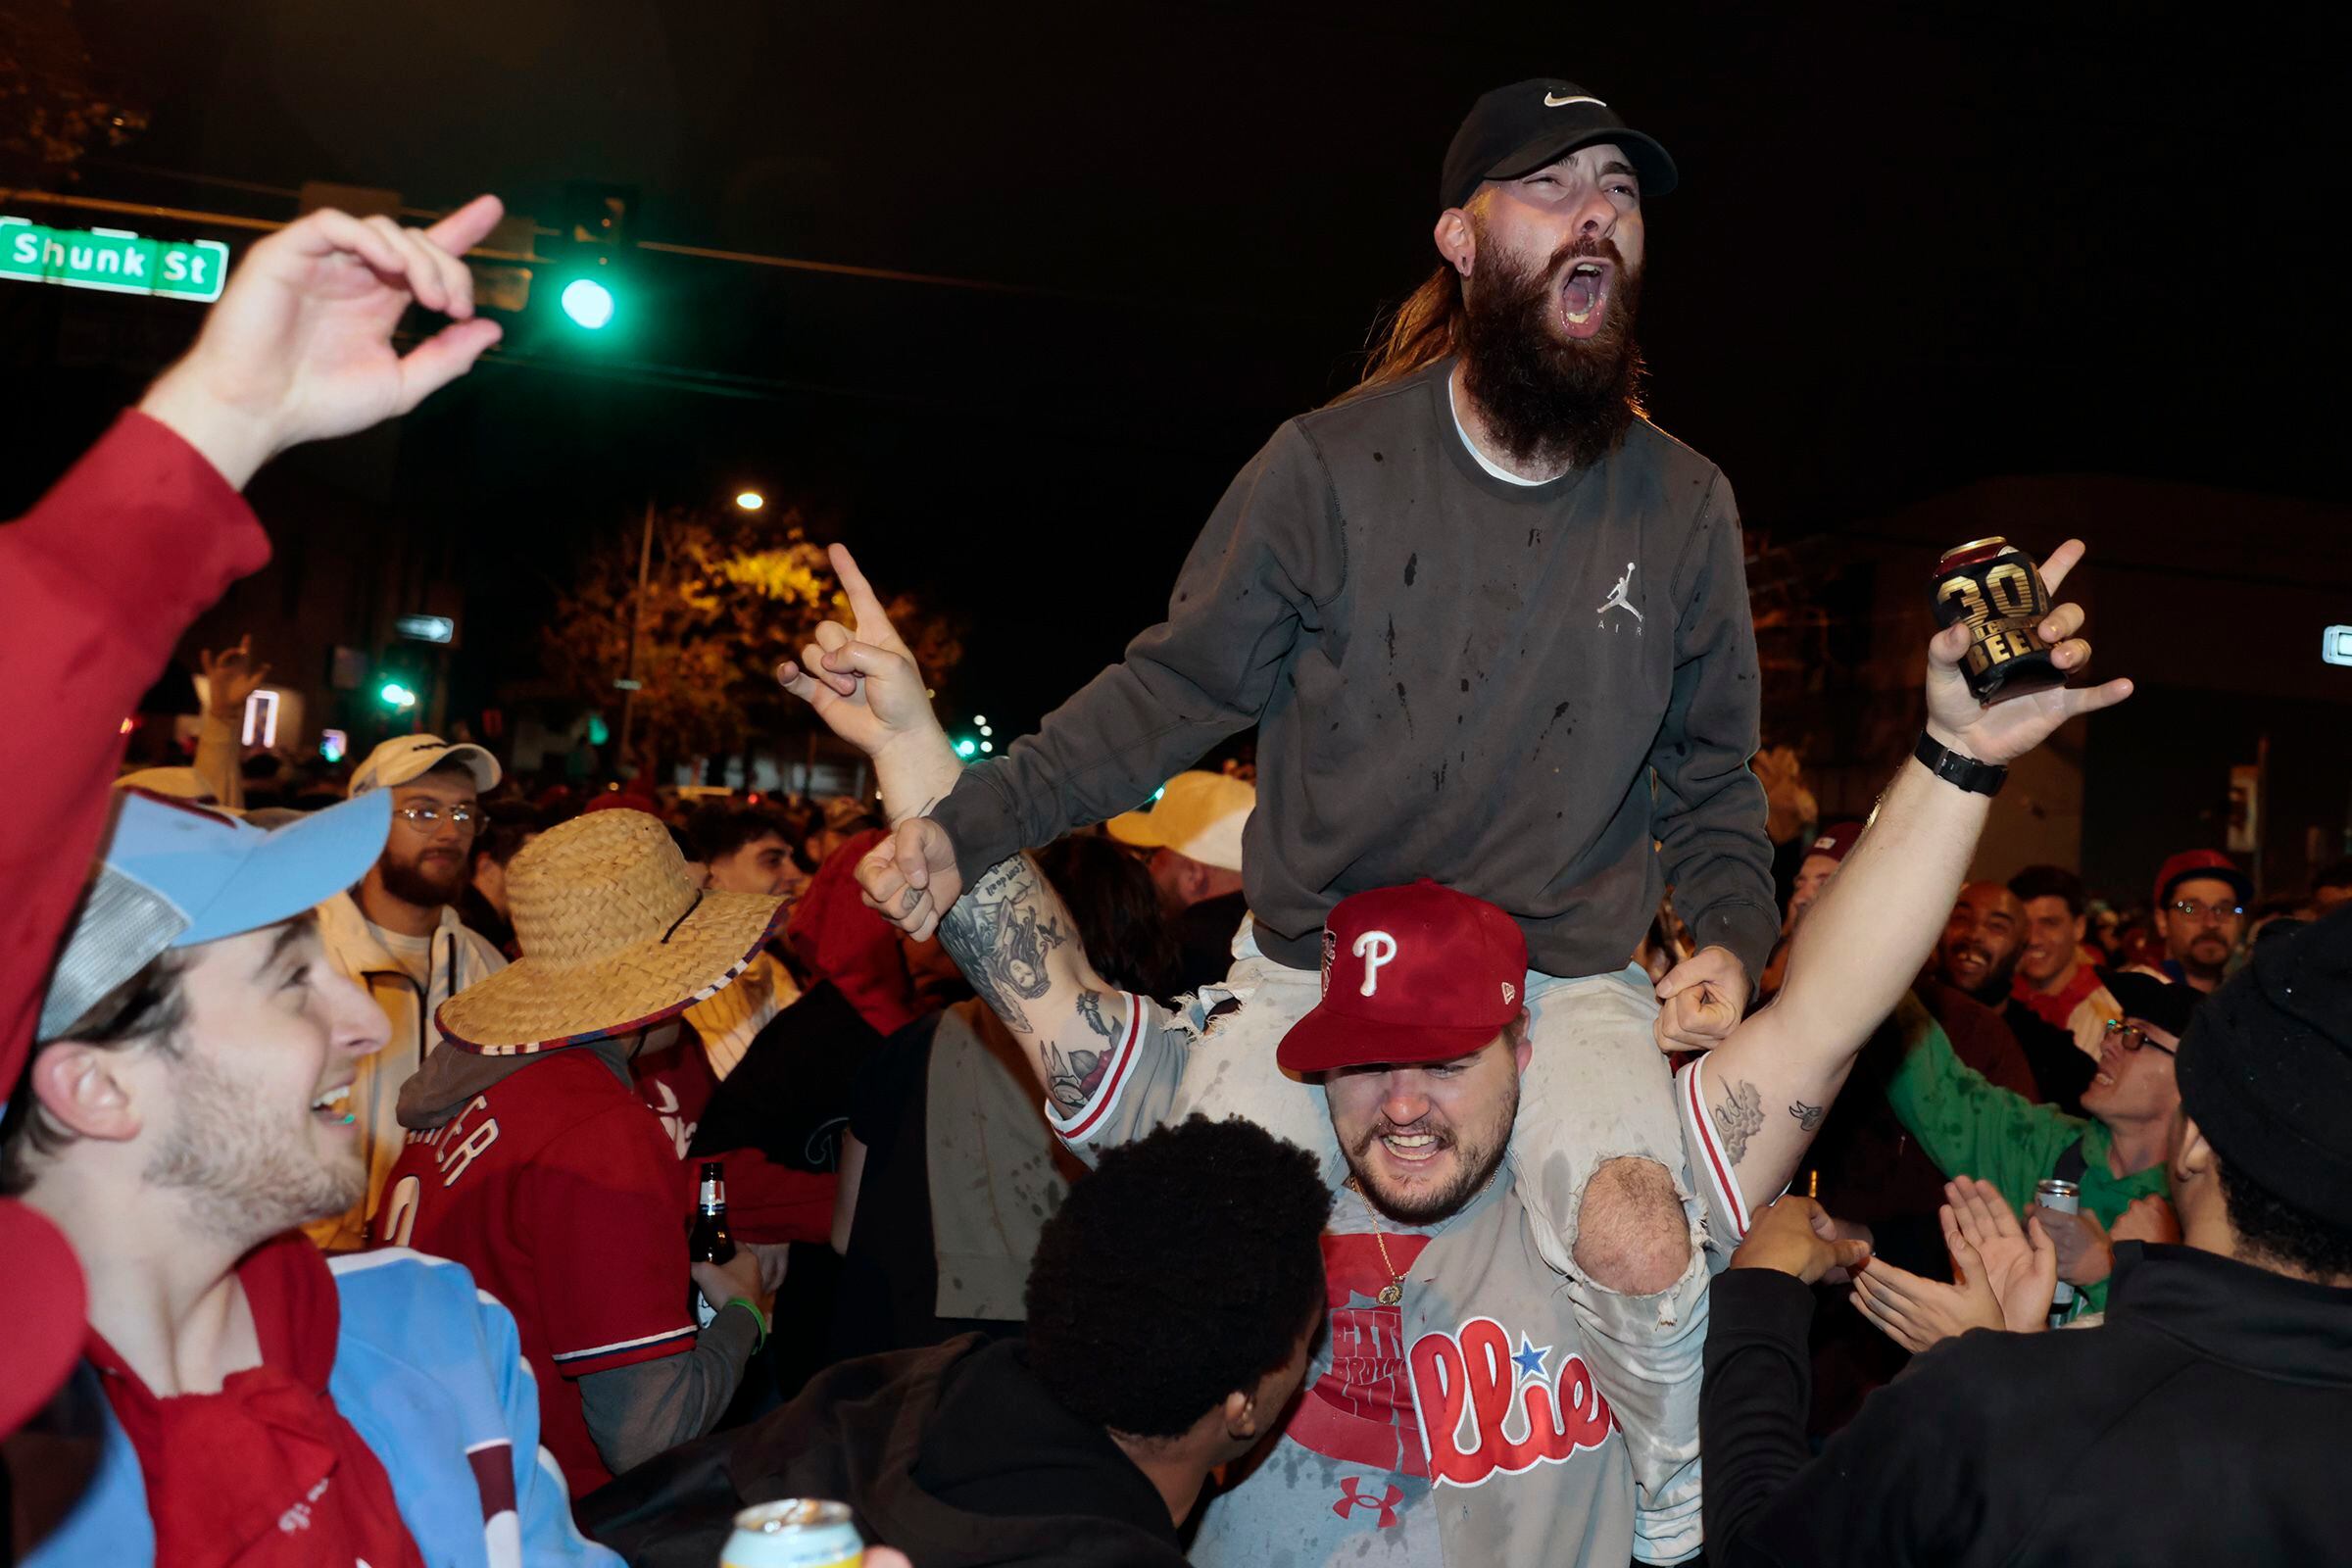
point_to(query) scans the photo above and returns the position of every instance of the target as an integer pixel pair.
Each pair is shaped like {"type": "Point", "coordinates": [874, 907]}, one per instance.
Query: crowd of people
{"type": "Point", "coordinates": [1503, 1131]}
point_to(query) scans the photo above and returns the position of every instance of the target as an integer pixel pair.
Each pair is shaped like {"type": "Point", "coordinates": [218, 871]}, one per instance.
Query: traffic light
{"type": "Point", "coordinates": [400, 684]}
{"type": "Point", "coordinates": [591, 249]}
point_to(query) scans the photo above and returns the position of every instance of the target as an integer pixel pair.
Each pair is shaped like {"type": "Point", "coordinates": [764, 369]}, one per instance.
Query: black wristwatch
{"type": "Point", "coordinates": [1985, 778]}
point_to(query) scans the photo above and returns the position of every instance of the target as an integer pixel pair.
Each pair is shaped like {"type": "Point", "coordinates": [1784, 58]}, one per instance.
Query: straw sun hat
{"type": "Point", "coordinates": [615, 937]}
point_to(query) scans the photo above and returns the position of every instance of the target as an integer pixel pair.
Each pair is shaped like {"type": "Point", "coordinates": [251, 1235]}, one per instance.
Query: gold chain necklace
{"type": "Point", "coordinates": [1393, 1291]}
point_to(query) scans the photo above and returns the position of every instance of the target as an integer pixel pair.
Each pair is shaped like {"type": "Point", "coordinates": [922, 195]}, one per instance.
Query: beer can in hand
{"type": "Point", "coordinates": [2063, 1198]}
{"type": "Point", "coordinates": [1991, 585]}
{"type": "Point", "coordinates": [793, 1533]}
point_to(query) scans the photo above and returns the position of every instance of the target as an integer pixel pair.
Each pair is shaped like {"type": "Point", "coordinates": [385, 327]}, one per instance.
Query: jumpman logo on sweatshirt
{"type": "Point", "coordinates": [1617, 599]}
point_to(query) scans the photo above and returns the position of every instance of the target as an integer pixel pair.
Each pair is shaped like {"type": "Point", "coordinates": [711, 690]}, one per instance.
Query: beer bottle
{"type": "Point", "coordinates": [709, 1241]}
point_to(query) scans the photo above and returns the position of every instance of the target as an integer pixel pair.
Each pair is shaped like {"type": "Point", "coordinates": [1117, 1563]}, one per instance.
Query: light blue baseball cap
{"type": "Point", "coordinates": [173, 875]}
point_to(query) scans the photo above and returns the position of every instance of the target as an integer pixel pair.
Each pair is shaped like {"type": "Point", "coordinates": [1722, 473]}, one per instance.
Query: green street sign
{"type": "Point", "coordinates": [113, 259]}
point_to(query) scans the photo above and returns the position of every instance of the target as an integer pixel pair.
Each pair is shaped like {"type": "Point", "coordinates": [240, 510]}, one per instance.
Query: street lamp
{"type": "Point", "coordinates": [750, 499]}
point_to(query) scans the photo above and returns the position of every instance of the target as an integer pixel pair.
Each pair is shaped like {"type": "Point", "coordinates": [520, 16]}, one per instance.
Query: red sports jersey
{"type": "Point", "coordinates": [559, 1189]}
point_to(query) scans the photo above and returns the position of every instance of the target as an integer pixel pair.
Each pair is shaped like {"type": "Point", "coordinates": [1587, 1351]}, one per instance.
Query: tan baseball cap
{"type": "Point", "coordinates": [1199, 815]}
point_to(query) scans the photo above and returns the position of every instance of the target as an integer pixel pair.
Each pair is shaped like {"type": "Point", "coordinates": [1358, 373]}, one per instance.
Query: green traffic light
{"type": "Point", "coordinates": [588, 303]}
{"type": "Point", "coordinates": [395, 694]}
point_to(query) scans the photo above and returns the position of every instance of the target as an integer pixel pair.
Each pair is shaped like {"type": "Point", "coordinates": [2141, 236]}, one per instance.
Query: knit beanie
{"type": "Point", "coordinates": [2265, 1068]}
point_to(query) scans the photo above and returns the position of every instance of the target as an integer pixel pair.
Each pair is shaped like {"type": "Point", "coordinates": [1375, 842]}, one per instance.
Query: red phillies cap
{"type": "Point", "coordinates": [1418, 973]}
{"type": "Point", "coordinates": [2200, 863]}
{"type": "Point", "coordinates": [1837, 839]}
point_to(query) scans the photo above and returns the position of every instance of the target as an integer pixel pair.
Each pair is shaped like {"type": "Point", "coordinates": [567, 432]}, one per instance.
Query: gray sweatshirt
{"type": "Point", "coordinates": [1452, 676]}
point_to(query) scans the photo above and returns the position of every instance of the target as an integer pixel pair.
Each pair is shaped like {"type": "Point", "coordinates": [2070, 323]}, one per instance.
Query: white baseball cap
{"type": "Point", "coordinates": [410, 757]}
{"type": "Point", "coordinates": [1199, 815]}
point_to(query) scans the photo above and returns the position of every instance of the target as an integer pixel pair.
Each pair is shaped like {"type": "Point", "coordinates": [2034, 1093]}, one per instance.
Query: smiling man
{"type": "Point", "coordinates": [2114, 1153]}
{"type": "Point", "coordinates": [185, 1109]}
{"type": "Point", "coordinates": [1475, 609]}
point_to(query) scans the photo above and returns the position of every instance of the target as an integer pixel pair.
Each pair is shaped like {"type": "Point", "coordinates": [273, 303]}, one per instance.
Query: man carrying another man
{"type": "Point", "coordinates": [1452, 1359]}
{"type": "Point", "coordinates": [1475, 609]}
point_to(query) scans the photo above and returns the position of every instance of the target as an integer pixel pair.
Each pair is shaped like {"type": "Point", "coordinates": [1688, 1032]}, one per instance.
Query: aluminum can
{"type": "Point", "coordinates": [1991, 585]}
{"type": "Point", "coordinates": [2066, 1199]}
{"type": "Point", "coordinates": [793, 1533]}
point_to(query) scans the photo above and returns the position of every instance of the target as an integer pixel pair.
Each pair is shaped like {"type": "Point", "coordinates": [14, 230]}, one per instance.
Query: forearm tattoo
{"type": "Point", "coordinates": [1807, 1116]}
{"type": "Point", "coordinates": [995, 937]}
{"type": "Point", "coordinates": [1072, 1079]}
{"type": "Point", "coordinates": [1739, 1117]}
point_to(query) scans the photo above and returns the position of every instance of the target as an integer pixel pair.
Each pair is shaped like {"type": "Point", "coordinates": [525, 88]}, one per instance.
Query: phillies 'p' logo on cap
{"type": "Point", "coordinates": [1410, 974]}
{"type": "Point", "coordinates": [1375, 948]}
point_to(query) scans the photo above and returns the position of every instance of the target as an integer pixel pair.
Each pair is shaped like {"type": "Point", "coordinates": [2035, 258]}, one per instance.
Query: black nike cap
{"type": "Point", "coordinates": [1517, 130]}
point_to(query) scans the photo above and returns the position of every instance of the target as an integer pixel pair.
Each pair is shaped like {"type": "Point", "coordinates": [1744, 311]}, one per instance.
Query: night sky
{"type": "Point", "coordinates": [1912, 247]}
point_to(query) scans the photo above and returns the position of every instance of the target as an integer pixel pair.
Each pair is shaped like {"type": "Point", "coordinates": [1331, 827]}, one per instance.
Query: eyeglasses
{"type": "Point", "coordinates": [2132, 1036]}
{"type": "Point", "coordinates": [425, 818]}
{"type": "Point", "coordinates": [2206, 913]}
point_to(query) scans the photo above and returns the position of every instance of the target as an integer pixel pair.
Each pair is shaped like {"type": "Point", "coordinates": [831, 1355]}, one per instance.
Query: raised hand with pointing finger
{"type": "Point", "coordinates": [864, 683]}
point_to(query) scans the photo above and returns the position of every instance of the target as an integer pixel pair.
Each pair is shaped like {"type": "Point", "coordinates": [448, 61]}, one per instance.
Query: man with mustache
{"type": "Point", "coordinates": [2201, 913]}
{"type": "Point", "coordinates": [399, 935]}
{"type": "Point", "coordinates": [1475, 608]}
{"type": "Point", "coordinates": [1454, 1414]}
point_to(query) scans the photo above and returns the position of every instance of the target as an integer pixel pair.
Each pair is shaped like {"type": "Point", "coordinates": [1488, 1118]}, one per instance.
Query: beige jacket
{"type": "Point", "coordinates": [460, 957]}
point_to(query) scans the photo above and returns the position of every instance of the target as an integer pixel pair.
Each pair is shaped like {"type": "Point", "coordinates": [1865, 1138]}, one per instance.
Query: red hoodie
{"type": "Point", "coordinates": [100, 579]}
{"type": "Point", "coordinates": [837, 937]}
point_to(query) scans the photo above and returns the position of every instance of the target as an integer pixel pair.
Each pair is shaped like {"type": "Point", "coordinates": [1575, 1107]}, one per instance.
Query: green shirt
{"type": "Point", "coordinates": [1971, 1127]}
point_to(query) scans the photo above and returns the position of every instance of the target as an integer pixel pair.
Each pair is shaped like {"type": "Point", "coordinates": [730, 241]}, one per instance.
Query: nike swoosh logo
{"type": "Point", "coordinates": [1554, 101]}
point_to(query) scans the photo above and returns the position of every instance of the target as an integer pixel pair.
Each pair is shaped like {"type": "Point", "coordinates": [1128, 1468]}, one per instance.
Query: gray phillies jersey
{"type": "Point", "coordinates": [1458, 1427]}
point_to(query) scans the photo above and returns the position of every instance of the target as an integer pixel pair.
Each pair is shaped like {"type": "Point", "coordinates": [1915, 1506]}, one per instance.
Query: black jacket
{"type": "Point", "coordinates": [954, 1453]}
{"type": "Point", "coordinates": [2205, 1422]}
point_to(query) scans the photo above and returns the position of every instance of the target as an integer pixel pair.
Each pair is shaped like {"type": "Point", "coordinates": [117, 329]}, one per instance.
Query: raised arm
{"type": "Point", "coordinates": [1010, 933]}
{"type": "Point", "coordinates": [1862, 944]}
{"type": "Point", "coordinates": [1269, 553]}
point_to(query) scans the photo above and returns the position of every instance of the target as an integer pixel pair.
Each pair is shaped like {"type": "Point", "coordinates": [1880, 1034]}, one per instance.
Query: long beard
{"type": "Point", "coordinates": [1551, 400]}
{"type": "Point", "coordinates": [412, 882]}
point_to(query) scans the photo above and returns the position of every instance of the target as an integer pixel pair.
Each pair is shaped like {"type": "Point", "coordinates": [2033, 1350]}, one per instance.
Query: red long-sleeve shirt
{"type": "Point", "coordinates": [99, 580]}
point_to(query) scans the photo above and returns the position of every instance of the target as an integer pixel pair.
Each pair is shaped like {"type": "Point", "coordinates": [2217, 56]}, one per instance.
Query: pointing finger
{"type": "Point", "coordinates": [871, 618]}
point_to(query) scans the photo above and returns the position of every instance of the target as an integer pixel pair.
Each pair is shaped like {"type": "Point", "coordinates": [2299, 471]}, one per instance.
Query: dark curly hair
{"type": "Point", "coordinates": [2282, 1231]}
{"type": "Point", "coordinates": [2050, 882]}
{"type": "Point", "coordinates": [1184, 1268]}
